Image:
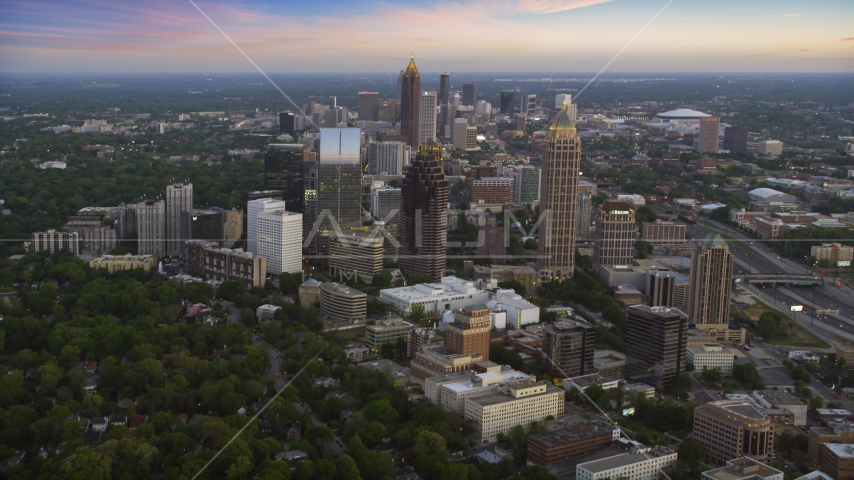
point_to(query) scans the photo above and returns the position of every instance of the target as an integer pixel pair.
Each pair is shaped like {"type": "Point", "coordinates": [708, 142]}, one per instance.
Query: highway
{"type": "Point", "coordinates": [756, 262]}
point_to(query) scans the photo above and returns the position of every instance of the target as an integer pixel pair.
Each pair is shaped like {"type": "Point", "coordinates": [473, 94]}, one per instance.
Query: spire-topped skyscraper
{"type": "Point", "coordinates": [410, 103]}
{"type": "Point", "coordinates": [424, 215]}
{"type": "Point", "coordinates": [559, 199]}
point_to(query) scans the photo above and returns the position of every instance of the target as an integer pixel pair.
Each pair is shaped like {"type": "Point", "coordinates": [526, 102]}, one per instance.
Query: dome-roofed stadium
{"type": "Point", "coordinates": [683, 114]}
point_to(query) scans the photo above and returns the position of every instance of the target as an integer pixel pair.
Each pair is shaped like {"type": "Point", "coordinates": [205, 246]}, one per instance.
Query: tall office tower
{"type": "Point", "coordinates": [614, 235]}
{"type": "Point", "coordinates": [585, 214]}
{"type": "Point", "coordinates": [385, 201]}
{"type": "Point", "coordinates": [427, 120]}
{"type": "Point", "coordinates": [711, 284]}
{"type": "Point", "coordinates": [526, 185]}
{"type": "Point", "coordinates": [508, 102]}
{"type": "Point", "coordinates": [707, 140]}
{"type": "Point", "coordinates": [454, 98]}
{"type": "Point", "coordinates": [386, 112]}
{"type": "Point", "coordinates": [283, 170]}
{"type": "Point", "coordinates": [287, 122]}
{"type": "Point", "coordinates": [410, 103]}
{"type": "Point", "coordinates": [179, 199]}
{"type": "Point", "coordinates": [529, 103]}
{"type": "Point", "coordinates": [562, 98]}
{"type": "Point", "coordinates": [558, 199]}
{"type": "Point", "coordinates": [259, 194]}
{"type": "Point", "coordinates": [735, 139]}
{"type": "Point", "coordinates": [253, 209]}
{"type": "Point", "coordinates": [483, 108]}
{"type": "Point", "coordinates": [656, 344]}
{"type": "Point", "coordinates": [460, 128]}
{"type": "Point", "coordinates": [369, 106]}
{"type": "Point", "coordinates": [444, 88]}
{"type": "Point", "coordinates": [124, 219]}
{"type": "Point", "coordinates": [310, 211]}
{"type": "Point", "coordinates": [424, 215]}
{"type": "Point", "coordinates": [568, 348]}
{"type": "Point", "coordinates": [469, 94]}
{"type": "Point", "coordinates": [386, 157]}
{"type": "Point", "coordinates": [279, 241]}
{"type": "Point", "coordinates": [666, 288]}
{"type": "Point", "coordinates": [330, 119]}
{"type": "Point", "coordinates": [469, 333]}
{"type": "Point", "coordinates": [339, 177]}
{"type": "Point", "coordinates": [490, 242]}
{"type": "Point", "coordinates": [150, 231]}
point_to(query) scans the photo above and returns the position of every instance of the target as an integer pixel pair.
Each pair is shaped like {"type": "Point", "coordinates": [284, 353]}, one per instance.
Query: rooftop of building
{"type": "Point", "coordinates": [501, 397]}
{"type": "Point", "coordinates": [625, 459]}
{"type": "Point", "coordinates": [448, 286]}
{"type": "Point", "coordinates": [841, 450]}
{"type": "Point", "coordinates": [471, 383]}
{"type": "Point", "coordinates": [833, 412]}
{"type": "Point", "coordinates": [342, 290]}
{"type": "Point", "coordinates": [746, 410]}
{"type": "Point", "coordinates": [710, 349]}
{"type": "Point", "coordinates": [562, 121]}
{"type": "Point", "coordinates": [779, 397]}
{"type": "Point", "coordinates": [124, 258]}
{"type": "Point", "coordinates": [585, 381]}
{"type": "Point", "coordinates": [742, 468]}
{"type": "Point", "coordinates": [664, 312]}
{"type": "Point", "coordinates": [683, 113]}
{"type": "Point", "coordinates": [572, 429]}
{"type": "Point", "coordinates": [713, 240]}
{"type": "Point", "coordinates": [765, 192]}
{"type": "Point", "coordinates": [566, 326]}
{"type": "Point", "coordinates": [382, 364]}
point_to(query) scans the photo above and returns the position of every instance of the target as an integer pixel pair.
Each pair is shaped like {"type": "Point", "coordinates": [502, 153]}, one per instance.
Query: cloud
{"type": "Point", "coordinates": [538, 6]}
{"type": "Point", "coordinates": [756, 55]}
{"type": "Point", "coordinates": [793, 15]}
{"type": "Point", "coordinates": [846, 39]}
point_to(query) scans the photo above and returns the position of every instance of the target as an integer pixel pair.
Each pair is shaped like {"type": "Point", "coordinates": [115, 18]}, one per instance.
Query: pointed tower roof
{"type": "Point", "coordinates": [713, 240]}
{"type": "Point", "coordinates": [411, 69]}
{"type": "Point", "coordinates": [562, 120]}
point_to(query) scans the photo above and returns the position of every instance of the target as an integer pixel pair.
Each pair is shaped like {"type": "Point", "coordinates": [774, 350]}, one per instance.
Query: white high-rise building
{"type": "Point", "coordinates": [385, 201]}
{"type": "Point", "coordinates": [253, 209]}
{"type": "Point", "coordinates": [560, 98]}
{"type": "Point", "coordinates": [279, 241]}
{"type": "Point", "coordinates": [387, 157]}
{"type": "Point", "coordinates": [179, 199]}
{"type": "Point", "coordinates": [427, 123]}
{"type": "Point", "coordinates": [483, 108]}
{"type": "Point", "coordinates": [149, 227]}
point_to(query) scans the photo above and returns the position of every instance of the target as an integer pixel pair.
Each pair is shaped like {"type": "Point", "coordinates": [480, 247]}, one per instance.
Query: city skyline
{"type": "Point", "coordinates": [95, 36]}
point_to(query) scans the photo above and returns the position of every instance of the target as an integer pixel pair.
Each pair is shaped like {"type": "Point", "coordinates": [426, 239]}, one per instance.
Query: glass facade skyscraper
{"type": "Point", "coordinates": [283, 170]}
{"type": "Point", "coordinates": [339, 178]}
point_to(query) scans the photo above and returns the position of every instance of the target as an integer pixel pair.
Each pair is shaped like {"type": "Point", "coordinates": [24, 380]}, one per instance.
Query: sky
{"type": "Point", "coordinates": [353, 36]}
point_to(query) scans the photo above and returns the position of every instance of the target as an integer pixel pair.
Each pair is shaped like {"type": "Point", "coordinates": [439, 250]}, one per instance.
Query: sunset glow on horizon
{"type": "Point", "coordinates": [465, 35]}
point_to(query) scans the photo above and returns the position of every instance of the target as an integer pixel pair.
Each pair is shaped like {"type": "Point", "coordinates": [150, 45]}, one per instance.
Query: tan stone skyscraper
{"type": "Point", "coordinates": [559, 199]}
{"type": "Point", "coordinates": [711, 284]}
{"type": "Point", "coordinates": [409, 84]}
{"type": "Point", "coordinates": [424, 215]}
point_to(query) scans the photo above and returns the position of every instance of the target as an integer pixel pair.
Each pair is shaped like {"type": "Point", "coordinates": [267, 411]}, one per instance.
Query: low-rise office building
{"type": "Point", "coordinates": [836, 431]}
{"type": "Point", "coordinates": [709, 356]}
{"type": "Point", "coordinates": [837, 460]}
{"type": "Point", "coordinates": [519, 403]}
{"type": "Point", "coordinates": [116, 263]}
{"type": "Point", "coordinates": [733, 429]}
{"type": "Point", "coordinates": [744, 468]}
{"type": "Point", "coordinates": [355, 255]}
{"type": "Point", "coordinates": [343, 303]}
{"type": "Point", "coordinates": [387, 331]}
{"type": "Point", "coordinates": [639, 464]}
{"type": "Point", "coordinates": [452, 396]}
{"type": "Point", "coordinates": [568, 438]}
{"type": "Point", "coordinates": [206, 259]}
{"type": "Point", "coordinates": [437, 360]}
{"type": "Point", "coordinates": [451, 293]}
{"type": "Point", "coordinates": [662, 233]}
{"type": "Point", "coordinates": [609, 363]}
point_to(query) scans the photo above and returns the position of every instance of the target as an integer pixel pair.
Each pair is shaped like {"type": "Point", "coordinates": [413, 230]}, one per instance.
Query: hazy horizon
{"type": "Point", "coordinates": [333, 36]}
